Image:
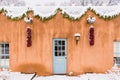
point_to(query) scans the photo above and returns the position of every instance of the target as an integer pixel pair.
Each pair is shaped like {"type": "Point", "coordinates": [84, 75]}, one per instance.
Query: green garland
{"type": "Point", "coordinates": [16, 18]}
{"type": "Point", "coordinates": [30, 11]}
{"type": "Point", "coordinates": [48, 18]}
{"type": "Point", "coordinates": [19, 18]}
{"type": "Point", "coordinates": [45, 18]}
{"type": "Point", "coordinates": [2, 10]}
{"type": "Point", "coordinates": [65, 15]}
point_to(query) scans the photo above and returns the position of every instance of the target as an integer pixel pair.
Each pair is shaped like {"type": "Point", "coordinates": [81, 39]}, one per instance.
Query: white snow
{"type": "Point", "coordinates": [94, 76]}
{"type": "Point", "coordinates": [28, 20]}
{"type": "Point", "coordinates": [113, 74]}
{"type": "Point", "coordinates": [45, 11]}
{"type": "Point", "coordinates": [61, 2]}
{"type": "Point", "coordinates": [106, 10]}
{"type": "Point", "coordinates": [43, 2]}
{"type": "Point", "coordinates": [91, 19]}
{"type": "Point", "coordinates": [15, 11]}
{"type": "Point", "coordinates": [72, 11]}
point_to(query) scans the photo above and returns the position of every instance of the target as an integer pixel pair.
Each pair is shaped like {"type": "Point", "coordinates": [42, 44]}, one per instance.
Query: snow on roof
{"type": "Point", "coordinates": [47, 8]}
{"type": "Point", "coordinates": [15, 11]}
{"type": "Point", "coordinates": [106, 10]}
{"type": "Point", "coordinates": [44, 11]}
{"type": "Point", "coordinates": [73, 11]}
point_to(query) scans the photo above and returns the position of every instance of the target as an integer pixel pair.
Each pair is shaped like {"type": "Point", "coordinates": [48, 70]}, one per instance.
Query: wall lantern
{"type": "Point", "coordinates": [77, 37]}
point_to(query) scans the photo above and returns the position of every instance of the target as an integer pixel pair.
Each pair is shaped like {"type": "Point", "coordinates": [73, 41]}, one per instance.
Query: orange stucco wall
{"type": "Point", "coordinates": [81, 57]}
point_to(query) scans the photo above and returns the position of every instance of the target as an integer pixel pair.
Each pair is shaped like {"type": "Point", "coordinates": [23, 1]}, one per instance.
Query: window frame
{"type": "Point", "coordinates": [116, 51]}
{"type": "Point", "coordinates": [4, 58]}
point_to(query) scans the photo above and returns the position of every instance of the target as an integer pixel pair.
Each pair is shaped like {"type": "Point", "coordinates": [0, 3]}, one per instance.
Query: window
{"type": "Point", "coordinates": [4, 55]}
{"type": "Point", "coordinates": [117, 52]}
{"type": "Point", "coordinates": [59, 47]}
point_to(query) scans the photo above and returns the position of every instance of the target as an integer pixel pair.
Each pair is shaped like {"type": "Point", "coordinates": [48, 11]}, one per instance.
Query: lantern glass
{"type": "Point", "coordinates": [77, 36]}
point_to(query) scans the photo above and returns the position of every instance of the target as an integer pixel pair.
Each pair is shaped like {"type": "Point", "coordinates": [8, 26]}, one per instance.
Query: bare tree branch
{"type": "Point", "coordinates": [96, 3]}
{"type": "Point", "coordinates": [91, 1]}
{"type": "Point", "coordinates": [101, 3]}
{"type": "Point", "coordinates": [76, 2]}
{"type": "Point", "coordinates": [83, 2]}
{"type": "Point", "coordinates": [110, 1]}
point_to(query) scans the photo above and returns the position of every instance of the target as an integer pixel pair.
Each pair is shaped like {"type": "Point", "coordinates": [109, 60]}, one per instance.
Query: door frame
{"type": "Point", "coordinates": [53, 53]}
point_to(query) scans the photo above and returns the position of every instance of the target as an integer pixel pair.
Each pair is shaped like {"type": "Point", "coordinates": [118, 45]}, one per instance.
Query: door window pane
{"type": "Point", "coordinates": [59, 48]}
{"type": "Point", "coordinates": [56, 54]}
{"type": "Point", "coordinates": [56, 43]}
{"type": "Point", "coordinates": [63, 53]}
{"type": "Point", "coordinates": [59, 53]}
{"type": "Point", "coordinates": [63, 42]}
{"type": "Point", "coordinates": [56, 48]}
{"type": "Point", "coordinates": [63, 47]}
{"type": "Point", "coordinates": [59, 42]}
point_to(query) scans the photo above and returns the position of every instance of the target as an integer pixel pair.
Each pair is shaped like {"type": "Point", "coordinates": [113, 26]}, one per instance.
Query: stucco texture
{"type": "Point", "coordinates": [81, 57]}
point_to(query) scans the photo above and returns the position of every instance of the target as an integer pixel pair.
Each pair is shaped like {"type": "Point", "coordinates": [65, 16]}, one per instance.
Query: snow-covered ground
{"type": "Point", "coordinates": [88, 76]}
{"type": "Point", "coordinates": [113, 74]}
{"type": "Point", "coordinates": [81, 77]}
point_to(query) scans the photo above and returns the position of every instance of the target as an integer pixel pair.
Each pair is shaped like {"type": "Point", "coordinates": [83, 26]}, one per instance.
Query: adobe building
{"type": "Point", "coordinates": [59, 43]}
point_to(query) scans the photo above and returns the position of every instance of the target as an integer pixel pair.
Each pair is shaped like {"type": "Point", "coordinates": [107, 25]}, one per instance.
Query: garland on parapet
{"type": "Point", "coordinates": [65, 15]}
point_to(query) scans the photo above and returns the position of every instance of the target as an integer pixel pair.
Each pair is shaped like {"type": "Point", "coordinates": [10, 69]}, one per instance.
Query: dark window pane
{"type": "Point", "coordinates": [7, 45]}
{"type": "Point", "coordinates": [63, 42]}
{"type": "Point", "coordinates": [7, 57]}
{"type": "Point", "coordinates": [6, 52]}
{"type": "Point", "coordinates": [59, 48]}
{"type": "Point", "coordinates": [59, 42]}
{"type": "Point", "coordinates": [6, 49]}
{"type": "Point", "coordinates": [56, 54]}
{"type": "Point", "coordinates": [117, 60]}
{"type": "Point", "coordinates": [63, 53]}
{"type": "Point", "coordinates": [56, 48]}
{"type": "Point", "coordinates": [63, 47]}
{"type": "Point", "coordinates": [59, 53]}
{"type": "Point", "coordinates": [56, 43]}
{"type": "Point", "coordinates": [3, 57]}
